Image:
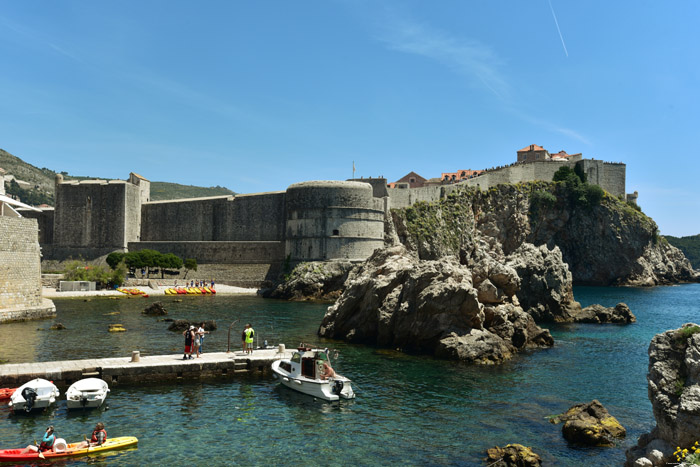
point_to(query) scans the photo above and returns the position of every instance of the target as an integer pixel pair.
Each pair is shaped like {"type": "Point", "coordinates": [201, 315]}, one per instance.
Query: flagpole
{"type": "Point", "coordinates": [353, 170]}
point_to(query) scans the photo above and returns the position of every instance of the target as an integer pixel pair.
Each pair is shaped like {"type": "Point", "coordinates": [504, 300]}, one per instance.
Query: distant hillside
{"type": "Point", "coordinates": [42, 183]}
{"type": "Point", "coordinates": [163, 190]}
{"type": "Point", "coordinates": [690, 246]}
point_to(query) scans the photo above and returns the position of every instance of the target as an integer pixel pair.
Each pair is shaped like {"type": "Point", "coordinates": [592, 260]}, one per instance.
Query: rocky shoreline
{"type": "Point", "coordinates": [674, 392]}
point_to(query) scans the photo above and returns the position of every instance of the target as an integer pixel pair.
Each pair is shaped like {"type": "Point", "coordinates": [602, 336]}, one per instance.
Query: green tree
{"type": "Point", "coordinates": [190, 265]}
{"type": "Point", "coordinates": [168, 261]}
{"type": "Point", "coordinates": [113, 259]}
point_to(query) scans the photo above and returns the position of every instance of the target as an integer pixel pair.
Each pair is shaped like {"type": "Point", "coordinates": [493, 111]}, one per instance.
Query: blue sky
{"type": "Point", "coordinates": [258, 95]}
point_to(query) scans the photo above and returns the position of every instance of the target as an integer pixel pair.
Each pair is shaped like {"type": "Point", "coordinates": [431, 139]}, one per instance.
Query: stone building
{"type": "Point", "coordinates": [410, 180]}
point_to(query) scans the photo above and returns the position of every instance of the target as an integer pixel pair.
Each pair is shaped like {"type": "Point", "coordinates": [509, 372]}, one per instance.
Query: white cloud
{"type": "Point", "coordinates": [470, 58]}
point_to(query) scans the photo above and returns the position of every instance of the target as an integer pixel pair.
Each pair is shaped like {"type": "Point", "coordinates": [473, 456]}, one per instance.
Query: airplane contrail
{"type": "Point", "coordinates": [557, 23]}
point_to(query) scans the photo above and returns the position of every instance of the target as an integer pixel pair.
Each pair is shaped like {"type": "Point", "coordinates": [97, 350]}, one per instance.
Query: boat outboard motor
{"type": "Point", "coordinates": [337, 387]}
{"type": "Point", "coordinates": [83, 401]}
{"type": "Point", "coordinates": [29, 395]}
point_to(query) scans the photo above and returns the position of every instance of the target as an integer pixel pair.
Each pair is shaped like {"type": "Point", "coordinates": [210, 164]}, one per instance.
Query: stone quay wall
{"type": "Point", "coordinates": [20, 271]}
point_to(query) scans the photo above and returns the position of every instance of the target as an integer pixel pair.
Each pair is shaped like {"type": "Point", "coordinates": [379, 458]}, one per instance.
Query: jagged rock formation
{"type": "Point", "coordinates": [513, 455]}
{"type": "Point", "coordinates": [598, 314]}
{"type": "Point", "coordinates": [609, 243]}
{"type": "Point", "coordinates": [674, 392]}
{"type": "Point", "coordinates": [546, 292]}
{"type": "Point", "coordinates": [590, 425]}
{"type": "Point", "coordinates": [312, 281]}
{"type": "Point", "coordinates": [438, 307]}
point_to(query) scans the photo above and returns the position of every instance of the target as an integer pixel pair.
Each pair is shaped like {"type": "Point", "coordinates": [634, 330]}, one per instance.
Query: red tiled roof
{"type": "Point", "coordinates": [532, 147]}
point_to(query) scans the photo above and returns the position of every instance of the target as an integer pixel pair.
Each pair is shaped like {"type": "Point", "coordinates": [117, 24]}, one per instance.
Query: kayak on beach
{"type": "Point", "coordinates": [71, 450]}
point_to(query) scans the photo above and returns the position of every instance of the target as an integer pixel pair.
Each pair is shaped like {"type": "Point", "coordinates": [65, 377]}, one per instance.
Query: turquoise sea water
{"type": "Point", "coordinates": [409, 410]}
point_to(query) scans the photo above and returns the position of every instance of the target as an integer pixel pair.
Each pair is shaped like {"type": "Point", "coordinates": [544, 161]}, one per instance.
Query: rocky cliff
{"type": "Point", "coordinates": [438, 307]}
{"type": "Point", "coordinates": [674, 392]}
{"type": "Point", "coordinates": [603, 240]}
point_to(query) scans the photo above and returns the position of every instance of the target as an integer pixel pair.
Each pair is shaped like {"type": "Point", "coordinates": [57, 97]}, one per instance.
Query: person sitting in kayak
{"type": "Point", "coordinates": [328, 372]}
{"type": "Point", "coordinates": [99, 436]}
{"type": "Point", "coordinates": [46, 442]}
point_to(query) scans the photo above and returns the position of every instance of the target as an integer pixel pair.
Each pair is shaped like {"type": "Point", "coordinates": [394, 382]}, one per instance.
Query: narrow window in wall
{"type": "Point", "coordinates": [336, 232]}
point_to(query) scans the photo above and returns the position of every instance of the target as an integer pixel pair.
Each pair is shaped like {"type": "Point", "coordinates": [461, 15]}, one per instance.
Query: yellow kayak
{"type": "Point", "coordinates": [72, 450]}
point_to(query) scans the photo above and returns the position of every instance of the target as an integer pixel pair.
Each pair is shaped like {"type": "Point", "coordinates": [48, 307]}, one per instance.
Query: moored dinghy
{"type": "Point", "coordinates": [88, 393]}
{"type": "Point", "coordinates": [304, 372]}
{"type": "Point", "coordinates": [33, 395]}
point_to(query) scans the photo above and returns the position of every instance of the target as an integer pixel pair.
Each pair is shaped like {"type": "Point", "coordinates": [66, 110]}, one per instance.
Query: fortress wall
{"type": "Point", "coordinates": [609, 176]}
{"type": "Point", "coordinates": [332, 220]}
{"type": "Point", "coordinates": [258, 217]}
{"type": "Point", "coordinates": [242, 264]}
{"type": "Point", "coordinates": [405, 197]}
{"type": "Point", "coordinates": [218, 252]}
{"type": "Point", "coordinates": [613, 178]}
{"type": "Point", "coordinates": [90, 214]}
{"type": "Point", "coordinates": [182, 220]}
{"type": "Point", "coordinates": [254, 217]}
{"type": "Point", "coordinates": [20, 272]}
{"type": "Point", "coordinates": [45, 222]}
{"type": "Point", "coordinates": [132, 213]}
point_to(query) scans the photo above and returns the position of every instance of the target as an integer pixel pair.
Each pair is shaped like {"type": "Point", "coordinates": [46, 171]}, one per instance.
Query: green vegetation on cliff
{"type": "Point", "coordinates": [43, 188]}
{"type": "Point", "coordinates": [690, 246]}
{"type": "Point", "coordinates": [603, 239]}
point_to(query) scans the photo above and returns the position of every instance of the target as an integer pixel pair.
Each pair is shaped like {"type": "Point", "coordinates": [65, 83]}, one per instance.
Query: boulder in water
{"type": "Point", "coordinates": [598, 314]}
{"type": "Point", "coordinates": [591, 425]}
{"type": "Point", "coordinates": [155, 309]}
{"type": "Point", "coordinates": [513, 455]}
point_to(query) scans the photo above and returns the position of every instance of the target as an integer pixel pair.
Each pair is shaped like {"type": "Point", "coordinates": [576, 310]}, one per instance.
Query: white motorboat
{"type": "Point", "coordinates": [34, 395]}
{"type": "Point", "coordinates": [88, 393]}
{"type": "Point", "coordinates": [306, 372]}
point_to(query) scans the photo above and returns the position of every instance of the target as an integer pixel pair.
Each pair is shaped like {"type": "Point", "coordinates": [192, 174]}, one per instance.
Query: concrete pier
{"type": "Point", "coordinates": [155, 368]}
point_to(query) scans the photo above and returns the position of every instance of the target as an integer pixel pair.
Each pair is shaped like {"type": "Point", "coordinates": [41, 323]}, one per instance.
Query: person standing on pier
{"type": "Point", "coordinates": [249, 335]}
{"type": "Point", "coordinates": [200, 334]}
{"type": "Point", "coordinates": [189, 338]}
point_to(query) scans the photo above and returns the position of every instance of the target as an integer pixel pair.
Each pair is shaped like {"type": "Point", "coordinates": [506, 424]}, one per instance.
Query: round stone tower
{"type": "Point", "coordinates": [332, 220]}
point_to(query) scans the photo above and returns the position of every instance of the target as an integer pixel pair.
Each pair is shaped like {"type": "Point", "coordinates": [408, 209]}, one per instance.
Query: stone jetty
{"type": "Point", "coordinates": [137, 369]}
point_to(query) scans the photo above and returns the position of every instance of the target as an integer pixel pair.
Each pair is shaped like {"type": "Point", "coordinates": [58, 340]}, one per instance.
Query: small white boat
{"type": "Point", "coordinates": [88, 393]}
{"type": "Point", "coordinates": [304, 372]}
{"type": "Point", "coordinates": [34, 395]}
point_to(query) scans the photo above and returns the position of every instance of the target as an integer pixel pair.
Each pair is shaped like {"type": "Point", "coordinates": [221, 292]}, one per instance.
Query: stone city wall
{"type": "Point", "coordinates": [20, 271]}
{"type": "Point", "coordinates": [258, 217]}
{"type": "Point", "coordinates": [218, 252]}
{"type": "Point", "coordinates": [45, 222]}
{"type": "Point", "coordinates": [405, 197]}
{"type": "Point", "coordinates": [333, 220]}
{"type": "Point", "coordinates": [609, 176]}
{"type": "Point", "coordinates": [96, 214]}
{"type": "Point", "coordinates": [242, 264]}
